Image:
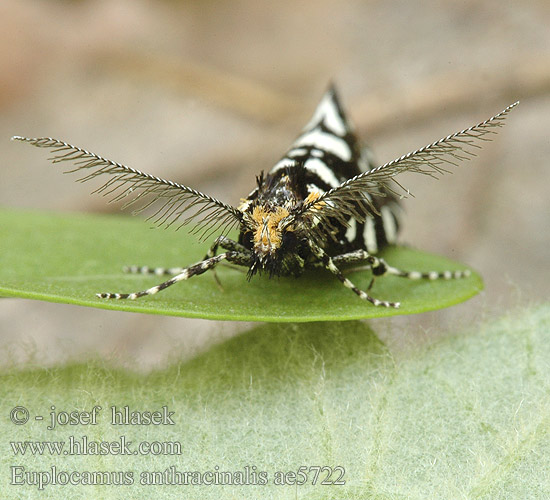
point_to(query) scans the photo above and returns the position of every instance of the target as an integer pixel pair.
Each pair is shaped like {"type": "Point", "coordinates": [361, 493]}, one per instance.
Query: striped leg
{"type": "Point", "coordinates": [158, 271]}
{"type": "Point", "coordinates": [227, 244]}
{"type": "Point", "coordinates": [221, 241]}
{"type": "Point", "coordinates": [356, 257]}
{"type": "Point", "coordinates": [239, 258]}
{"type": "Point", "coordinates": [329, 264]}
{"type": "Point", "coordinates": [380, 268]}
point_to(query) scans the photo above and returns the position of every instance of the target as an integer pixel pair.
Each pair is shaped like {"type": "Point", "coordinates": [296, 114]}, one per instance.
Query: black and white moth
{"type": "Point", "coordinates": [324, 204]}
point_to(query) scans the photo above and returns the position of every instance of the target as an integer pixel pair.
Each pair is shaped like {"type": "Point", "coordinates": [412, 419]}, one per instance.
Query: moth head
{"type": "Point", "coordinates": [270, 226]}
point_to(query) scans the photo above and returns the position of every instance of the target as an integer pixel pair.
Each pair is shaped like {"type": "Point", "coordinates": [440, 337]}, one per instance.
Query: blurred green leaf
{"type": "Point", "coordinates": [466, 417]}
{"type": "Point", "coordinates": [69, 258]}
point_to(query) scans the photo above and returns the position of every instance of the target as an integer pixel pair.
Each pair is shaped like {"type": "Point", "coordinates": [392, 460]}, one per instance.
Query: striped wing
{"type": "Point", "coordinates": [353, 197]}
{"type": "Point", "coordinates": [327, 153]}
{"type": "Point", "coordinates": [171, 202]}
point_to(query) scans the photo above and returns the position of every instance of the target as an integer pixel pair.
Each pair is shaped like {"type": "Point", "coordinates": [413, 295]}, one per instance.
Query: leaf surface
{"type": "Point", "coordinates": [466, 417]}
{"type": "Point", "coordinates": [69, 258]}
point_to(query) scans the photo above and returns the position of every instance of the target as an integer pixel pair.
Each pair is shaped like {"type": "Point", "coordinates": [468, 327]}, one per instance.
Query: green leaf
{"type": "Point", "coordinates": [70, 258]}
{"type": "Point", "coordinates": [467, 417]}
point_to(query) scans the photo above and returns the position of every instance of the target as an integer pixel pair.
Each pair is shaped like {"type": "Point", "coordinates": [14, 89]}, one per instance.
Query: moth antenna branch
{"type": "Point", "coordinates": [352, 196]}
{"type": "Point", "coordinates": [126, 182]}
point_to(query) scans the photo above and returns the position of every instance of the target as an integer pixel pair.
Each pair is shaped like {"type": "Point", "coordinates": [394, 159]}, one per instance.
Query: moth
{"type": "Point", "coordinates": [325, 204]}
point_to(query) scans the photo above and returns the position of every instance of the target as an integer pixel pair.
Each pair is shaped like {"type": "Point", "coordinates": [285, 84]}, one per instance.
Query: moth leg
{"type": "Point", "coordinates": [380, 268]}
{"type": "Point", "coordinates": [239, 258]}
{"type": "Point", "coordinates": [159, 271]}
{"type": "Point", "coordinates": [354, 257]}
{"type": "Point", "coordinates": [329, 264]}
{"type": "Point", "coordinates": [227, 244]}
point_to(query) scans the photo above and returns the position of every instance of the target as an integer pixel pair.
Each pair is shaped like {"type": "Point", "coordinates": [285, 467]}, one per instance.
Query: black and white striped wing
{"type": "Point", "coordinates": [353, 196]}
{"type": "Point", "coordinates": [169, 200]}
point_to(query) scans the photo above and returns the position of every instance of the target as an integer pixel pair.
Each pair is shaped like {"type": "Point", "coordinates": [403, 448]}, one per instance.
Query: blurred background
{"type": "Point", "coordinates": [208, 93]}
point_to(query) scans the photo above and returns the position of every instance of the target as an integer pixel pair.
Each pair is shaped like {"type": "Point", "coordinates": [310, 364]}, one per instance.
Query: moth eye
{"type": "Point", "coordinates": [289, 240]}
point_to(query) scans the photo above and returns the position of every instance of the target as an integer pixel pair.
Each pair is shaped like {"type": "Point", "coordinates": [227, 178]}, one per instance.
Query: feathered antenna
{"type": "Point", "coordinates": [352, 197]}
{"type": "Point", "coordinates": [144, 190]}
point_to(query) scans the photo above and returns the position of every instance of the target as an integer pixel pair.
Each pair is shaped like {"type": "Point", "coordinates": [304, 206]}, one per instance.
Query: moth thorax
{"type": "Point", "coordinates": [268, 231]}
